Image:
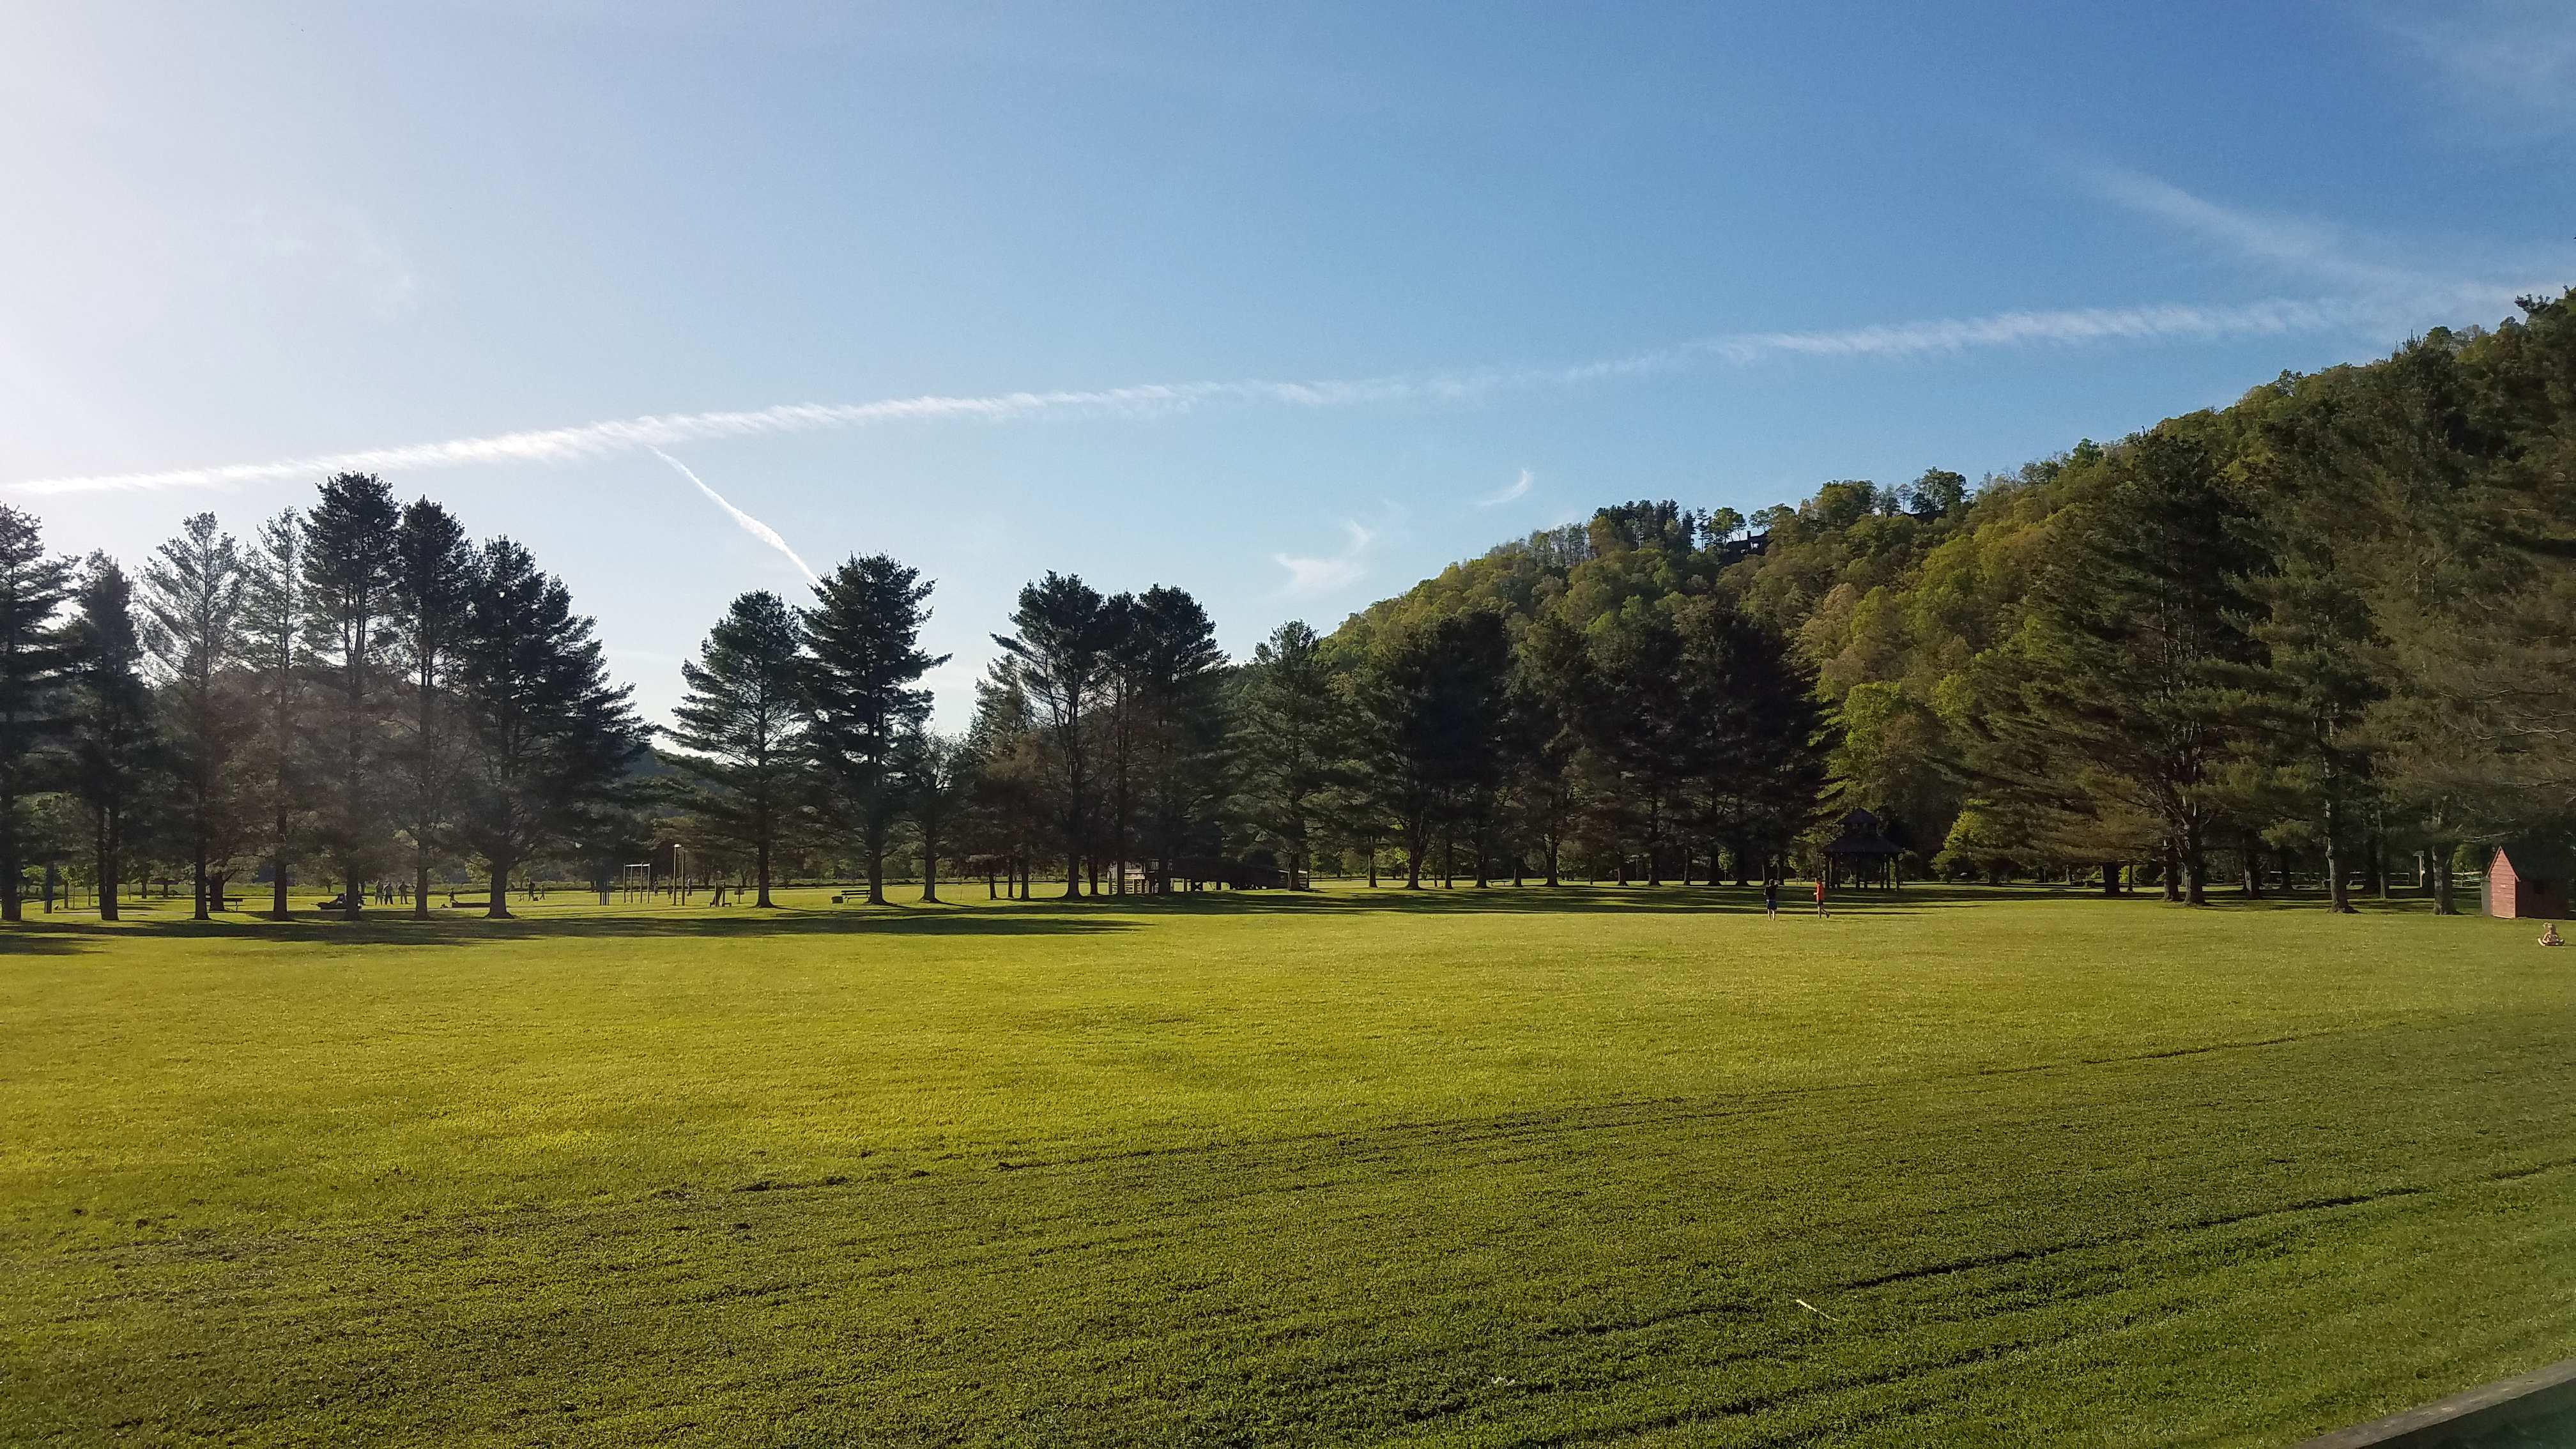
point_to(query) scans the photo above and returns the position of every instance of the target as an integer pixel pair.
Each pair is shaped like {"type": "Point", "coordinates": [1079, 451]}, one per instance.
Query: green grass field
{"type": "Point", "coordinates": [1509, 1167]}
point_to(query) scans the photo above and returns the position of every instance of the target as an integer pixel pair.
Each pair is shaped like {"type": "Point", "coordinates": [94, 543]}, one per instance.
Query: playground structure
{"type": "Point", "coordinates": [669, 875]}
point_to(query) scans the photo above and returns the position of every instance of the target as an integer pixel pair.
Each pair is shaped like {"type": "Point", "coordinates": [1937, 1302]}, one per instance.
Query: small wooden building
{"type": "Point", "coordinates": [2528, 882]}
{"type": "Point", "coordinates": [1862, 855]}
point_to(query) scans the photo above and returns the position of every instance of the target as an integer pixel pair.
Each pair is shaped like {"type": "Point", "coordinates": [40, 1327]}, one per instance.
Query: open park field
{"type": "Point", "coordinates": [1500, 1167]}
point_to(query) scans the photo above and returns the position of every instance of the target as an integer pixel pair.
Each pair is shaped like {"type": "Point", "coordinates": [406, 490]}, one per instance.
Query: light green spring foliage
{"type": "Point", "coordinates": [1501, 1167]}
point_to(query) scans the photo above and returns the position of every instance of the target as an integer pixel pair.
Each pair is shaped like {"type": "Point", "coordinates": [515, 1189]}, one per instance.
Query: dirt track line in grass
{"type": "Point", "coordinates": [2154, 1056]}
{"type": "Point", "coordinates": [2225, 1220]}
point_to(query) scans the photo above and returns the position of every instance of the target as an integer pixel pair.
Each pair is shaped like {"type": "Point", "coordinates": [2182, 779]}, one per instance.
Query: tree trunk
{"type": "Point", "coordinates": [277, 886]}
{"type": "Point", "coordinates": [2111, 879]}
{"type": "Point", "coordinates": [498, 908]}
{"type": "Point", "coordinates": [108, 866]}
{"type": "Point", "coordinates": [762, 864]}
{"type": "Point", "coordinates": [351, 897]}
{"type": "Point", "coordinates": [2338, 894]}
{"type": "Point", "coordinates": [2443, 902]}
{"type": "Point", "coordinates": [215, 889]}
{"type": "Point", "coordinates": [201, 913]}
{"type": "Point", "coordinates": [929, 871]}
{"type": "Point", "coordinates": [2173, 872]}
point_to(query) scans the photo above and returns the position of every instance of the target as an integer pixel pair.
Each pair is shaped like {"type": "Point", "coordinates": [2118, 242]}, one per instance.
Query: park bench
{"type": "Point", "coordinates": [454, 904]}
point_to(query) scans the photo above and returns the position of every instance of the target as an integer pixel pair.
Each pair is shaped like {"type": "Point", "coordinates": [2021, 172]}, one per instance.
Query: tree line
{"type": "Point", "coordinates": [358, 690]}
{"type": "Point", "coordinates": [2325, 629]}
{"type": "Point", "coordinates": [1114, 747]}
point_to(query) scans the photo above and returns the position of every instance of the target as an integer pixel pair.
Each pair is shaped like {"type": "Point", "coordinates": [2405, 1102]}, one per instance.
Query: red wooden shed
{"type": "Point", "coordinates": [2528, 882]}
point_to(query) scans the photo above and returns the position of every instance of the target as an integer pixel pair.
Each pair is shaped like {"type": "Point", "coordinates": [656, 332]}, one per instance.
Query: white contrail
{"type": "Point", "coordinates": [1517, 490]}
{"type": "Point", "coordinates": [750, 525]}
{"type": "Point", "coordinates": [591, 440]}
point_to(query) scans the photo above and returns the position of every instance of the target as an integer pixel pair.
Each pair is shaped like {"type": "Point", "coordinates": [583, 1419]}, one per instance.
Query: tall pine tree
{"type": "Point", "coordinates": [742, 727]}
{"type": "Point", "coordinates": [32, 589]}
{"type": "Point", "coordinates": [551, 739]}
{"type": "Point", "coordinates": [192, 601]}
{"type": "Point", "coordinates": [1292, 738]}
{"type": "Point", "coordinates": [432, 598]}
{"type": "Point", "coordinates": [273, 656]}
{"type": "Point", "coordinates": [115, 754]}
{"type": "Point", "coordinates": [863, 640]}
{"type": "Point", "coordinates": [1059, 662]}
{"type": "Point", "coordinates": [349, 541]}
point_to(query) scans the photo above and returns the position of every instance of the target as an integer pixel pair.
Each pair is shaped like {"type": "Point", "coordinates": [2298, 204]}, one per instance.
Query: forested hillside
{"type": "Point", "coordinates": [2326, 628]}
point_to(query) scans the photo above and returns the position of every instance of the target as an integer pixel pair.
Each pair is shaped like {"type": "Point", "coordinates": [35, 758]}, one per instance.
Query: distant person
{"type": "Point", "coordinates": [1771, 898]}
{"type": "Point", "coordinates": [2549, 935]}
{"type": "Point", "coordinates": [1821, 913]}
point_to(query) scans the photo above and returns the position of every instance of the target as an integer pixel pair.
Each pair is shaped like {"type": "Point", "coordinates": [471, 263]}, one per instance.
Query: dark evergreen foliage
{"type": "Point", "coordinates": [742, 731]}
{"type": "Point", "coordinates": [348, 617]}
{"type": "Point", "coordinates": [552, 740]}
{"type": "Point", "coordinates": [192, 590]}
{"type": "Point", "coordinates": [865, 664]}
{"type": "Point", "coordinates": [115, 757]}
{"type": "Point", "coordinates": [32, 660]}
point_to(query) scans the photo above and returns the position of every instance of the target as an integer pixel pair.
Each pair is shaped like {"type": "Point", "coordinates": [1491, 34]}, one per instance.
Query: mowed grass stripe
{"type": "Point", "coordinates": [1383, 1186]}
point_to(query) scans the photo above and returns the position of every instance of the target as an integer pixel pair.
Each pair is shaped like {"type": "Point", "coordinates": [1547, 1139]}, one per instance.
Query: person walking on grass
{"type": "Point", "coordinates": [1821, 913]}
{"type": "Point", "coordinates": [1771, 897]}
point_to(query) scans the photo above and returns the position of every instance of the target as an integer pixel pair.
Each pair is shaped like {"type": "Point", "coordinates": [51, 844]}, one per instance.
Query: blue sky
{"type": "Point", "coordinates": [1286, 306]}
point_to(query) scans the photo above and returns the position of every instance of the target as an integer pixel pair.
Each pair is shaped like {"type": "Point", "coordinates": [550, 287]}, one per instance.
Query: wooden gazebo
{"type": "Point", "coordinates": [1863, 856]}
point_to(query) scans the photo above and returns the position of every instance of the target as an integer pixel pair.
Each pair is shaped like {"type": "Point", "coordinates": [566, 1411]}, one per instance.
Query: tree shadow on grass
{"type": "Point", "coordinates": [1055, 916]}
{"type": "Point", "coordinates": [1796, 898]}
{"type": "Point", "coordinates": [41, 938]}
{"type": "Point", "coordinates": [389, 929]}
{"type": "Point", "coordinates": [898, 921]}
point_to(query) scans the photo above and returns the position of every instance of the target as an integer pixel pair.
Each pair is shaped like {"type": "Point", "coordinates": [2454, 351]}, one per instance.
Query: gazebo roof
{"type": "Point", "coordinates": [1861, 837]}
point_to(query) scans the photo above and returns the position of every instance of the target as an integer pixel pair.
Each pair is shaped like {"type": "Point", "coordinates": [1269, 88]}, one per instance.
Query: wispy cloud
{"type": "Point", "coordinates": [2383, 287]}
{"type": "Point", "coordinates": [1937, 337]}
{"type": "Point", "coordinates": [1322, 575]}
{"type": "Point", "coordinates": [1517, 490]}
{"type": "Point", "coordinates": [2511, 60]}
{"type": "Point", "coordinates": [750, 525]}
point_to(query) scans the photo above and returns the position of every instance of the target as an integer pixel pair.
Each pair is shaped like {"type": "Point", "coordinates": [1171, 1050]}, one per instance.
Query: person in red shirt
{"type": "Point", "coordinates": [1821, 913]}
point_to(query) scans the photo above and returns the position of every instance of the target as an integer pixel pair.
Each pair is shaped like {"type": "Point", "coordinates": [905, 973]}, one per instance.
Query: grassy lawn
{"type": "Point", "coordinates": [1509, 1167]}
